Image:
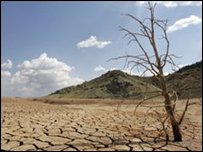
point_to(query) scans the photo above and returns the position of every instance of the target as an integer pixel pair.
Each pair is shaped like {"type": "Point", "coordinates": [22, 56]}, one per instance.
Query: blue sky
{"type": "Point", "coordinates": [76, 39]}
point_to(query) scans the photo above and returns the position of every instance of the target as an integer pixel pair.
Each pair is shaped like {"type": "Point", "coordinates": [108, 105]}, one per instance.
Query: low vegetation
{"type": "Point", "coordinates": [187, 81]}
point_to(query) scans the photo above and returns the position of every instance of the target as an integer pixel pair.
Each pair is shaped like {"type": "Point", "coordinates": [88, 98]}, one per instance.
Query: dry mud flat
{"type": "Point", "coordinates": [39, 126]}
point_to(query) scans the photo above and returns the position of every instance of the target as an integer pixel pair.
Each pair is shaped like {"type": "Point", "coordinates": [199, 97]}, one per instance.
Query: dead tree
{"type": "Point", "coordinates": [156, 62]}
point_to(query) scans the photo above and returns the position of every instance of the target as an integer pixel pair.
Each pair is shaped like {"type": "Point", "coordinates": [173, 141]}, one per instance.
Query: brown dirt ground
{"type": "Point", "coordinates": [93, 124]}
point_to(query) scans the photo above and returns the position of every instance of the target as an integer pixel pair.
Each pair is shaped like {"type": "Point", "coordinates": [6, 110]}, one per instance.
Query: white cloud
{"type": "Point", "coordinates": [5, 74]}
{"type": "Point", "coordinates": [6, 83]}
{"type": "Point", "coordinates": [183, 23]}
{"type": "Point", "coordinates": [179, 3]}
{"type": "Point", "coordinates": [147, 74]}
{"type": "Point", "coordinates": [93, 42]}
{"type": "Point", "coordinates": [166, 73]}
{"type": "Point", "coordinates": [172, 4]}
{"type": "Point", "coordinates": [140, 3]}
{"type": "Point", "coordinates": [7, 65]}
{"type": "Point", "coordinates": [99, 69]}
{"type": "Point", "coordinates": [42, 76]}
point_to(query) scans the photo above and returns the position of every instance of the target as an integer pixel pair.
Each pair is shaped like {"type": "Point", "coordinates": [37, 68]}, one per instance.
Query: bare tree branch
{"type": "Point", "coordinates": [142, 101]}
{"type": "Point", "coordinates": [163, 124]}
{"type": "Point", "coordinates": [184, 111]}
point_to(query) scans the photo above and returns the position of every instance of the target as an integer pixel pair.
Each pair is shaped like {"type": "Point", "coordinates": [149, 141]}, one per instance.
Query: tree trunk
{"type": "Point", "coordinates": [176, 130]}
{"type": "Point", "coordinates": [175, 126]}
{"type": "Point", "coordinates": [169, 109]}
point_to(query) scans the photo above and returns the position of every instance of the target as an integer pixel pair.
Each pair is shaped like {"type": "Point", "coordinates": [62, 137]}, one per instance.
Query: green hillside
{"type": "Point", "coordinates": [113, 84]}
{"type": "Point", "coordinates": [187, 81]}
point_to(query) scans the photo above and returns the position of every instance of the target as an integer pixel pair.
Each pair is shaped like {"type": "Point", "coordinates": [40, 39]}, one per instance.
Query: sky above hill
{"type": "Point", "coordinates": [50, 45]}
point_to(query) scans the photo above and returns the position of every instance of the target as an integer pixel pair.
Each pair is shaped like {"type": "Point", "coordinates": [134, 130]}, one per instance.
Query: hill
{"type": "Point", "coordinates": [187, 81]}
{"type": "Point", "coordinates": [113, 84]}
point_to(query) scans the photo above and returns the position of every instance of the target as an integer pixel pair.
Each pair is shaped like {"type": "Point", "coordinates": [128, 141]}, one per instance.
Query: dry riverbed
{"type": "Point", "coordinates": [96, 125]}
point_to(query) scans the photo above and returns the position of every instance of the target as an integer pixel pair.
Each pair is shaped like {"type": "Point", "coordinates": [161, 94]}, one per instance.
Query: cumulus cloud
{"type": "Point", "coordinates": [99, 69]}
{"type": "Point", "coordinates": [6, 87]}
{"type": "Point", "coordinates": [7, 65]}
{"type": "Point", "coordinates": [93, 42]}
{"type": "Point", "coordinates": [5, 73]}
{"type": "Point", "coordinates": [183, 23]}
{"type": "Point", "coordinates": [41, 76]}
{"type": "Point", "coordinates": [172, 4]}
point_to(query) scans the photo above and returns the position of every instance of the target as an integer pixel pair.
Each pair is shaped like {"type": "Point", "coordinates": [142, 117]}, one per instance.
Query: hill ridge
{"type": "Point", "coordinates": [116, 84]}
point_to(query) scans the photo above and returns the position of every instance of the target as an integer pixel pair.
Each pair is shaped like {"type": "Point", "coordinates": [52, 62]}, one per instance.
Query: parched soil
{"type": "Point", "coordinates": [35, 125]}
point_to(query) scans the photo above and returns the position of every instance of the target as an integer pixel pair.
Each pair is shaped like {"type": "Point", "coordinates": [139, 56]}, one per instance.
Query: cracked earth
{"type": "Point", "coordinates": [34, 125]}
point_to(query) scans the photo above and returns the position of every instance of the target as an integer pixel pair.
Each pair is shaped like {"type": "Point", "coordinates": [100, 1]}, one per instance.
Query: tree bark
{"type": "Point", "coordinates": [175, 126]}
{"type": "Point", "coordinates": [169, 109]}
